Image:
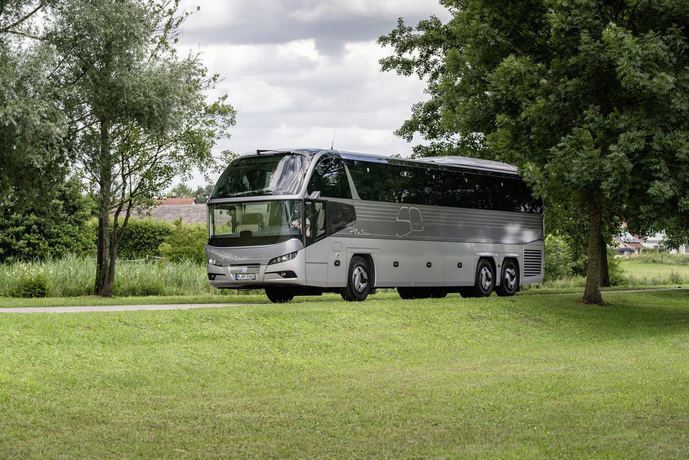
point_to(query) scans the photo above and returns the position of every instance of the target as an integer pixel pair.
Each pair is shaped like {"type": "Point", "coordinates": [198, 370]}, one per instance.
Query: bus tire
{"type": "Point", "coordinates": [467, 292]}
{"type": "Point", "coordinates": [438, 293]}
{"type": "Point", "coordinates": [359, 280]}
{"type": "Point", "coordinates": [407, 293]}
{"type": "Point", "coordinates": [509, 279]}
{"type": "Point", "coordinates": [279, 295]}
{"type": "Point", "coordinates": [484, 283]}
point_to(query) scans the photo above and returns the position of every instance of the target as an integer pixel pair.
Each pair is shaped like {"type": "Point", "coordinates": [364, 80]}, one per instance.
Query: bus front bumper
{"type": "Point", "coordinates": [249, 268]}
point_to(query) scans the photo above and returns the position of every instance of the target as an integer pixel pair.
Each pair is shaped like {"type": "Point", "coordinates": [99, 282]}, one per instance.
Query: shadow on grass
{"type": "Point", "coordinates": [624, 315]}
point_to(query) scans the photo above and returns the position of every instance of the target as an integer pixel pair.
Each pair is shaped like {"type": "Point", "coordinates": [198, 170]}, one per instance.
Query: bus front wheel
{"type": "Point", "coordinates": [279, 295]}
{"type": "Point", "coordinates": [359, 280]}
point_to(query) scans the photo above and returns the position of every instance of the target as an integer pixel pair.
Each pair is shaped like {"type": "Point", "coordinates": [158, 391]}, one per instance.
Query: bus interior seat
{"type": "Point", "coordinates": [252, 222]}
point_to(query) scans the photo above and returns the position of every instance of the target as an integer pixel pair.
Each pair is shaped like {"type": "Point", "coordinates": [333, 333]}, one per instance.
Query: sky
{"type": "Point", "coordinates": [298, 71]}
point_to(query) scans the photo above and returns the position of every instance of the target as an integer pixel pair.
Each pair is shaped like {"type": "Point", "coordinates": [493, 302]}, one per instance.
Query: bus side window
{"type": "Point", "coordinates": [330, 179]}
{"type": "Point", "coordinates": [315, 223]}
{"type": "Point", "coordinates": [339, 215]}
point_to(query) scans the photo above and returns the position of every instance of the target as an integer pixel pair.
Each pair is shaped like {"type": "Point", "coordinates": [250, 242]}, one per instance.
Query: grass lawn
{"type": "Point", "coordinates": [518, 377]}
{"type": "Point", "coordinates": [641, 269]}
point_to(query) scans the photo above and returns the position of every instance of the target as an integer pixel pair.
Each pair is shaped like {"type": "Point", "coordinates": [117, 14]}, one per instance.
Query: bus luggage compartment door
{"type": "Point", "coordinates": [317, 263]}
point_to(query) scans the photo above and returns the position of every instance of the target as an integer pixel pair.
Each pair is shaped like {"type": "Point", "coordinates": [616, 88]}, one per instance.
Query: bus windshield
{"type": "Point", "coordinates": [262, 175]}
{"type": "Point", "coordinates": [254, 223]}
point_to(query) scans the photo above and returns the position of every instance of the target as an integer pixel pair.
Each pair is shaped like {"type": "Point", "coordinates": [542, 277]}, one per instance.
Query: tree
{"type": "Point", "coordinates": [32, 123]}
{"type": "Point", "coordinates": [589, 99]}
{"type": "Point", "coordinates": [54, 227]}
{"type": "Point", "coordinates": [180, 190]}
{"type": "Point", "coordinates": [202, 194]}
{"type": "Point", "coordinates": [139, 111]}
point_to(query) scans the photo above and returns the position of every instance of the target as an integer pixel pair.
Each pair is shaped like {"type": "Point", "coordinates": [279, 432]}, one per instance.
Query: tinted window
{"type": "Point", "coordinates": [329, 178]}
{"type": "Point", "coordinates": [262, 175]}
{"type": "Point", "coordinates": [339, 215]}
{"type": "Point", "coordinates": [314, 221]}
{"type": "Point", "coordinates": [433, 185]}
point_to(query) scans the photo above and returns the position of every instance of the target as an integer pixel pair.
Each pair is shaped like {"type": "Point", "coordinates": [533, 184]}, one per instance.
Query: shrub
{"type": "Point", "coordinates": [615, 270]}
{"type": "Point", "coordinates": [143, 237]}
{"type": "Point", "coordinates": [31, 283]}
{"type": "Point", "coordinates": [185, 243]}
{"type": "Point", "coordinates": [558, 258]}
{"type": "Point", "coordinates": [52, 228]}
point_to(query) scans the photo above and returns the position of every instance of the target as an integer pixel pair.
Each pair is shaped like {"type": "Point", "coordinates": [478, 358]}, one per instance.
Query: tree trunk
{"type": "Point", "coordinates": [593, 275]}
{"type": "Point", "coordinates": [604, 269]}
{"type": "Point", "coordinates": [103, 286]}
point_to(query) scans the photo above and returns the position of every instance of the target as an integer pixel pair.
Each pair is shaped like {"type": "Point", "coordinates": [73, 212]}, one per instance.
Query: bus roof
{"type": "Point", "coordinates": [458, 161]}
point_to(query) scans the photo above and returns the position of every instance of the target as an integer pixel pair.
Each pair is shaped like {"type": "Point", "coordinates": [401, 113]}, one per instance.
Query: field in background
{"type": "Point", "coordinates": [528, 376]}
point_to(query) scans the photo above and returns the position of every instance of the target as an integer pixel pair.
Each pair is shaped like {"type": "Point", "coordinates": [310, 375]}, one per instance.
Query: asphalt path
{"type": "Point", "coordinates": [113, 308]}
{"type": "Point", "coordinates": [117, 308]}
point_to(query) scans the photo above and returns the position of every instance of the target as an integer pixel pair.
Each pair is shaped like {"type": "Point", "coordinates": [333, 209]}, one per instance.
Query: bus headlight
{"type": "Point", "coordinates": [285, 258]}
{"type": "Point", "coordinates": [214, 262]}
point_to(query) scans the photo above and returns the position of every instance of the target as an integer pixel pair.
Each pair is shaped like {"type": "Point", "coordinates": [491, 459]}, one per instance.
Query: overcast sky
{"type": "Point", "coordinates": [296, 70]}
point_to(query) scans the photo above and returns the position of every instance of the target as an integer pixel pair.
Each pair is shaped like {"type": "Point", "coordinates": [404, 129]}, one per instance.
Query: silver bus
{"type": "Point", "coordinates": [308, 221]}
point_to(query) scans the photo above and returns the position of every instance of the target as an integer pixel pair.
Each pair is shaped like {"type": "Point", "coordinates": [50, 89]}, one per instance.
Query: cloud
{"type": "Point", "coordinates": [296, 71]}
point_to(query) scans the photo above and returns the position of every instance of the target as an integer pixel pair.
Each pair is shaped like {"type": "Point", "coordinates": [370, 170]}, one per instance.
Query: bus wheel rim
{"type": "Point", "coordinates": [486, 278]}
{"type": "Point", "coordinates": [359, 279]}
{"type": "Point", "coordinates": [511, 277]}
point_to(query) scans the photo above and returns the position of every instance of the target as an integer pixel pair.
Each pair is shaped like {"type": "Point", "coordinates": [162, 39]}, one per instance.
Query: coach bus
{"type": "Point", "coordinates": [307, 221]}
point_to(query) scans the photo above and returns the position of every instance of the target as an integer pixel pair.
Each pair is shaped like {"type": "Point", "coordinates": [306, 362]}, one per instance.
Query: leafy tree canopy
{"type": "Point", "coordinates": [32, 124]}
{"type": "Point", "coordinates": [589, 98]}
{"type": "Point", "coordinates": [139, 111]}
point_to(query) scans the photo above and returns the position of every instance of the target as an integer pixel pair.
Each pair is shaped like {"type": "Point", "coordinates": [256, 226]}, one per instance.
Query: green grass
{"type": "Point", "coordinates": [74, 276]}
{"type": "Point", "coordinates": [528, 376]}
{"type": "Point", "coordinates": [639, 269]}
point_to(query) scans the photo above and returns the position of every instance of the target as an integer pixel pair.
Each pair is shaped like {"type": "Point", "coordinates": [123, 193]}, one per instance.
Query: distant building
{"type": "Point", "coordinates": [627, 244]}
{"type": "Point", "coordinates": [171, 209]}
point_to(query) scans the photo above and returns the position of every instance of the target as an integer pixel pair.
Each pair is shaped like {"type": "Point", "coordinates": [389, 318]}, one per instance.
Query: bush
{"type": "Point", "coordinates": [559, 261]}
{"type": "Point", "coordinates": [187, 242]}
{"type": "Point", "coordinates": [52, 228]}
{"type": "Point", "coordinates": [142, 237]}
{"type": "Point", "coordinates": [615, 270]}
{"type": "Point", "coordinates": [31, 283]}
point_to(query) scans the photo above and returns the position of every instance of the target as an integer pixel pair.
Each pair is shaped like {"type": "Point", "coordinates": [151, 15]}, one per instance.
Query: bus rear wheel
{"type": "Point", "coordinates": [484, 283]}
{"type": "Point", "coordinates": [279, 295]}
{"type": "Point", "coordinates": [509, 279]}
{"type": "Point", "coordinates": [359, 280]}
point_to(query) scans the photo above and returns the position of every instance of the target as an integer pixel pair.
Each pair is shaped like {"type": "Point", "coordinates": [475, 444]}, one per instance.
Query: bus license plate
{"type": "Point", "coordinates": [245, 276]}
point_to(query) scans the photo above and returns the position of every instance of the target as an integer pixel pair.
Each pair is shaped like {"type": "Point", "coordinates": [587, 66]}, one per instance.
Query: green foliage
{"type": "Point", "coordinates": [132, 148]}
{"type": "Point", "coordinates": [559, 262]}
{"type": "Point", "coordinates": [143, 237]}
{"type": "Point", "coordinates": [73, 276]}
{"type": "Point", "coordinates": [29, 282]}
{"type": "Point", "coordinates": [187, 242]}
{"type": "Point", "coordinates": [31, 119]}
{"type": "Point", "coordinates": [51, 228]}
{"type": "Point", "coordinates": [180, 190]}
{"type": "Point", "coordinates": [202, 194]}
{"type": "Point", "coordinates": [588, 98]}
{"type": "Point", "coordinates": [660, 257]}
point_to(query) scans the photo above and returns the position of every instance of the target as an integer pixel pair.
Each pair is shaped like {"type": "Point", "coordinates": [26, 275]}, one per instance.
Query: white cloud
{"type": "Point", "coordinates": [314, 11]}
{"type": "Point", "coordinates": [289, 90]}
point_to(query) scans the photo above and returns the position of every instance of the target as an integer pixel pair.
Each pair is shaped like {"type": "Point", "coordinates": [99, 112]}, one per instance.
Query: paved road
{"type": "Point", "coordinates": [110, 308]}
{"type": "Point", "coordinates": [113, 308]}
